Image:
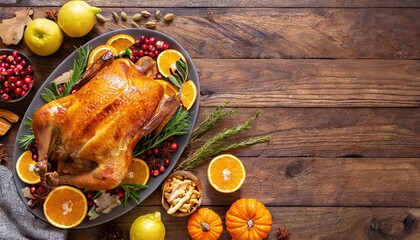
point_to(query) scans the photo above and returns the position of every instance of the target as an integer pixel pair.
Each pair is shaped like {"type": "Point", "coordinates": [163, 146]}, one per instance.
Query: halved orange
{"type": "Point", "coordinates": [168, 88]}
{"type": "Point", "coordinates": [65, 207]}
{"type": "Point", "coordinates": [121, 42]}
{"type": "Point", "coordinates": [98, 52]}
{"type": "Point", "coordinates": [189, 94]}
{"type": "Point", "coordinates": [25, 166]}
{"type": "Point", "coordinates": [167, 60]}
{"type": "Point", "coordinates": [139, 172]}
{"type": "Point", "coordinates": [226, 173]}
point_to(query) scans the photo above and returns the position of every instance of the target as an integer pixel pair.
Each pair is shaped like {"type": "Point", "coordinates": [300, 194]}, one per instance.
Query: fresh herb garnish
{"type": "Point", "coordinates": [79, 66]}
{"type": "Point", "coordinates": [217, 144]}
{"type": "Point", "coordinates": [181, 73]}
{"type": "Point", "coordinates": [26, 140]}
{"type": "Point", "coordinates": [131, 192]}
{"type": "Point", "coordinates": [178, 125]}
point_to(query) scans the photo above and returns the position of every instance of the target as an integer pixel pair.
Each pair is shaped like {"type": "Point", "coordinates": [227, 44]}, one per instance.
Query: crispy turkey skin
{"type": "Point", "coordinates": [90, 135]}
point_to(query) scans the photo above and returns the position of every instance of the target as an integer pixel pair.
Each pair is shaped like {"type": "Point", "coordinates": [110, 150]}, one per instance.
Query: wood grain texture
{"type": "Point", "coordinates": [278, 33]}
{"type": "Point", "coordinates": [303, 223]}
{"type": "Point", "coordinates": [233, 3]}
{"type": "Point", "coordinates": [297, 83]}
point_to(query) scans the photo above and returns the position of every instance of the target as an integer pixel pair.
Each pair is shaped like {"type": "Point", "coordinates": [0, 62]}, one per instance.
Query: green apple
{"type": "Point", "coordinates": [43, 36]}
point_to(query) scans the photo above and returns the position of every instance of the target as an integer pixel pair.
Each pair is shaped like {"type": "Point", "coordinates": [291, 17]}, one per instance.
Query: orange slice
{"type": "Point", "coordinates": [189, 94]}
{"type": "Point", "coordinates": [139, 172]}
{"type": "Point", "coordinates": [65, 207]}
{"type": "Point", "coordinates": [168, 88]}
{"type": "Point", "coordinates": [167, 60]}
{"type": "Point", "coordinates": [98, 52]}
{"type": "Point", "coordinates": [121, 42]}
{"type": "Point", "coordinates": [226, 173]}
{"type": "Point", "coordinates": [25, 166]}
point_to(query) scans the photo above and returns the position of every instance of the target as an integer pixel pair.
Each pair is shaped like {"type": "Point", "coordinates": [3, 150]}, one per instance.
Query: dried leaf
{"type": "Point", "coordinates": [11, 30]}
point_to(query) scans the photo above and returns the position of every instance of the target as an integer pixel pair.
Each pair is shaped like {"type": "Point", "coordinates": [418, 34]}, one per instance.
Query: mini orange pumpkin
{"type": "Point", "coordinates": [205, 224]}
{"type": "Point", "coordinates": [248, 219]}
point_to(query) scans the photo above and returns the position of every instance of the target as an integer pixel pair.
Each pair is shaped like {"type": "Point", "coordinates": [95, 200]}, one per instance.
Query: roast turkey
{"type": "Point", "coordinates": [89, 136]}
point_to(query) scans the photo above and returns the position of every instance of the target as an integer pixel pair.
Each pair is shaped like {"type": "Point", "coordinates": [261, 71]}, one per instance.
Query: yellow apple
{"type": "Point", "coordinates": [43, 36]}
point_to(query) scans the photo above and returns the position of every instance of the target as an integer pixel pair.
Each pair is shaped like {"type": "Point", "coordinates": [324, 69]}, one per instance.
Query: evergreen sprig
{"type": "Point", "coordinates": [131, 192]}
{"type": "Point", "coordinates": [178, 125]}
{"type": "Point", "coordinates": [26, 140]}
{"type": "Point", "coordinates": [217, 144]}
{"type": "Point", "coordinates": [79, 66]}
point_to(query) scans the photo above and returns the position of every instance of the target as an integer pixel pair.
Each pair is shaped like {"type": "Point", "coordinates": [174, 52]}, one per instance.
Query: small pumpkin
{"type": "Point", "coordinates": [204, 224]}
{"type": "Point", "coordinates": [247, 218]}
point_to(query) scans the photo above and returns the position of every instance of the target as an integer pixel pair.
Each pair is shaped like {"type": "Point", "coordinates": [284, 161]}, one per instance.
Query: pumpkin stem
{"type": "Point", "coordinates": [205, 227]}
{"type": "Point", "coordinates": [250, 223]}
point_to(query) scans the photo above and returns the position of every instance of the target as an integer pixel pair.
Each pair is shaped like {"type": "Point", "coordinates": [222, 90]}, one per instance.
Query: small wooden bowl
{"type": "Point", "coordinates": [199, 187]}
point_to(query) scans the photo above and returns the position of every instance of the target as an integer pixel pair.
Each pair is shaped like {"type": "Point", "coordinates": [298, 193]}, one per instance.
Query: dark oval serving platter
{"type": "Point", "coordinates": [66, 65]}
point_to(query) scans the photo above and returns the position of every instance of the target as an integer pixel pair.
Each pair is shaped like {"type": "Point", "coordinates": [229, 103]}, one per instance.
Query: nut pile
{"type": "Point", "coordinates": [137, 17]}
{"type": "Point", "coordinates": [182, 194]}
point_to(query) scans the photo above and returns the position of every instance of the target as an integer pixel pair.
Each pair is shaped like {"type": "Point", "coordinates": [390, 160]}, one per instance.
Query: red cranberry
{"type": "Point", "coordinates": [143, 156]}
{"type": "Point", "coordinates": [149, 152]}
{"type": "Point", "coordinates": [171, 138]}
{"type": "Point", "coordinates": [152, 54]}
{"type": "Point", "coordinates": [23, 73]}
{"type": "Point", "coordinates": [41, 190]}
{"type": "Point", "coordinates": [18, 59]}
{"type": "Point", "coordinates": [151, 48]}
{"type": "Point", "coordinates": [23, 93]}
{"type": "Point", "coordinates": [89, 196]}
{"type": "Point", "coordinates": [34, 156]}
{"type": "Point", "coordinates": [144, 46]}
{"type": "Point", "coordinates": [157, 53]}
{"type": "Point", "coordinates": [25, 87]}
{"type": "Point", "coordinates": [60, 89]}
{"type": "Point", "coordinates": [156, 172]}
{"type": "Point", "coordinates": [166, 162]}
{"type": "Point", "coordinates": [138, 43]}
{"type": "Point", "coordinates": [141, 53]}
{"type": "Point", "coordinates": [29, 69]}
{"type": "Point", "coordinates": [162, 169]}
{"type": "Point", "coordinates": [12, 79]}
{"type": "Point", "coordinates": [159, 45]}
{"type": "Point", "coordinates": [121, 194]}
{"type": "Point", "coordinates": [73, 91]}
{"type": "Point", "coordinates": [23, 63]}
{"type": "Point", "coordinates": [156, 151]}
{"type": "Point", "coordinates": [33, 189]}
{"type": "Point", "coordinates": [133, 59]}
{"type": "Point", "coordinates": [147, 41]}
{"type": "Point", "coordinates": [152, 40]}
{"type": "Point", "coordinates": [165, 46]}
{"type": "Point", "coordinates": [174, 146]}
{"type": "Point", "coordinates": [142, 38]}
{"type": "Point", "coordinates": [135, 52]}
{"type": "Point", "coordinates": [90, 203]}
{"type": "Point", "coordinates": [10, 72]}
{"type": "Point", "coordinates": [146, 52]}
{"type": "Point", "coordinates": [19, 67]}
{"type": "Point", "coordinates": [15, 54]}
{"type": "Point", "coordinates": [6, 90]}
{"type": "Point", "coordinates": [6, 84]}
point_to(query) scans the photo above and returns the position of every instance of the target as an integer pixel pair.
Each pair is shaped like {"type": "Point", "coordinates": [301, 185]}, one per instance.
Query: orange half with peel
{"type": "Point", "coordinates": [65, 207]}
{"type": "Point", "coordinates": [25, 166]}
{"type": "Point", "coordinates": [226, 173]}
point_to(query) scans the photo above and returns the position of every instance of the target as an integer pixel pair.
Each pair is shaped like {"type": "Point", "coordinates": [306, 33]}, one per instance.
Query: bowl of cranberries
{"type": "Point", "coordinates": [16, 75]}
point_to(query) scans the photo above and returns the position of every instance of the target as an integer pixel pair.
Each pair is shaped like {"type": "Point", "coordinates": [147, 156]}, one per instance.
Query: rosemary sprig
{"type": "Point", "coordinates": [26, 140]}
{"type": "Point", "coordinates": [178, 125]}
{"type": "Point", "coordinates": [79, 66]}
{"type": "Point", "coordinates": [216, 145]}
{"type": "Point", "coordinates": [211, 120]}
{"type": "Point", "coordinates": [131, 192]}
{"type": "Point", "coordinates": [180, 75]}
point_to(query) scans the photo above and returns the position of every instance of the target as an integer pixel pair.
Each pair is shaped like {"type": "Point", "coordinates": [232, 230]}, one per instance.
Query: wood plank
{"type": "Point", "coordinates": [298, 83]}
{"type": "Point", "coordinates": [302, 222]}
{"type": "Point", "coordinates": [331, 132]}
{"type": "Point", "coordinates": [279, 32]}
{"type": "Point", "coordinates": [300, 181]}
{"type": "Point", "coordinates": [310, 83]}
{"type": "Point", "coordinates": [234, 3]}
{"type": "Point", "coordinates": [321, 132]}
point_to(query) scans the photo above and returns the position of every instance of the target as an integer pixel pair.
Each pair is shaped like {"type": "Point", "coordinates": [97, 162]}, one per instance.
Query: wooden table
{"type": "Point", "coordinates": [338, 84]}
